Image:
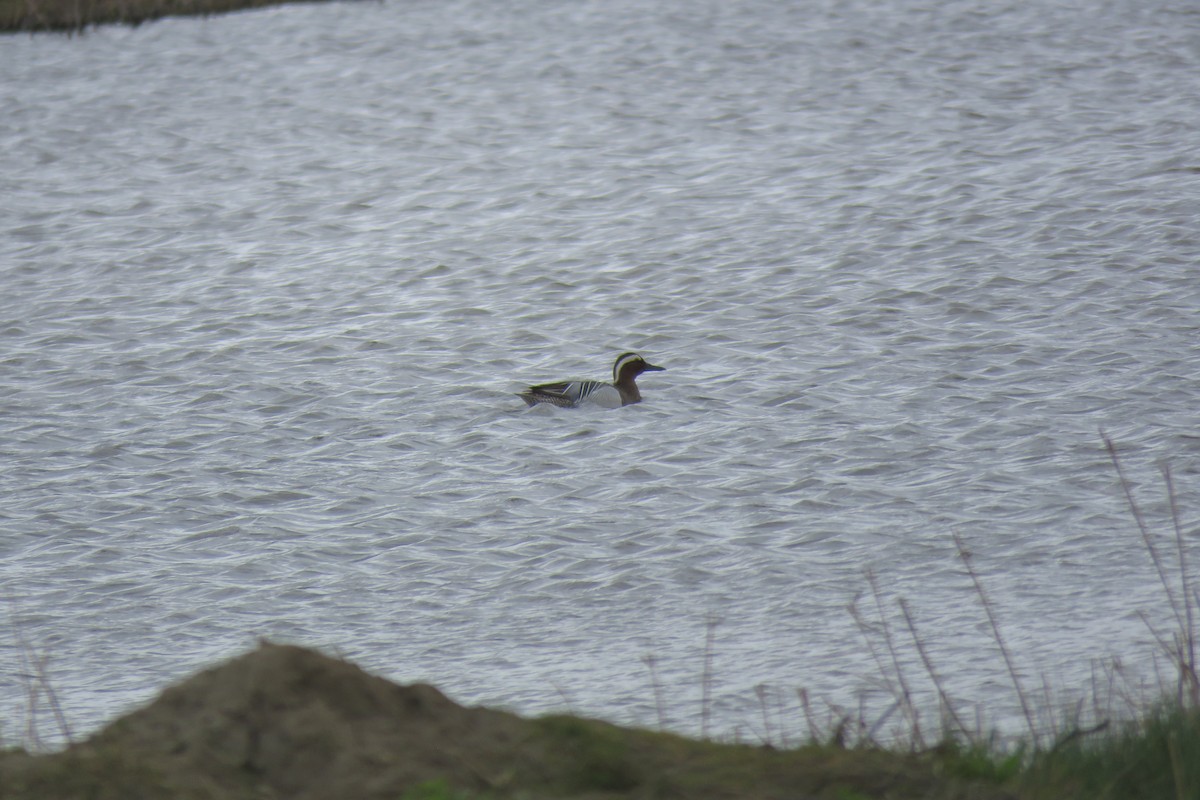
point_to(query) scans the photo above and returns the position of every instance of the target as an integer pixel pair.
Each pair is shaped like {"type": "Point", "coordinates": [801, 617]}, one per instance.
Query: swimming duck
{"type": "Point", "coordinates": [621, 392]}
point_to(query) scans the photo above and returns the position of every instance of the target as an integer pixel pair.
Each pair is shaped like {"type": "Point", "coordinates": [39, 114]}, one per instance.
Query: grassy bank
{"type": "Point", "coordinates": [1154, 758]}
{"type": "Point", "coordinates": [72, 16]}
{"type": "Point", "coordinates": [285, 722]}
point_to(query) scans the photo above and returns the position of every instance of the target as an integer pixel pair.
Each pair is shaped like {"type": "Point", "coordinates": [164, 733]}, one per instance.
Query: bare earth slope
{"type": "Point", "coordinates": [286, 722]}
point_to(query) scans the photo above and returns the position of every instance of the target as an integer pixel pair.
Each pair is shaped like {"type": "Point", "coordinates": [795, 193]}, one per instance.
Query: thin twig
{"type": "Point", "coordinates": [1079, 733]}
{"type": "Point", "coordinates": [965, 556]}
{"type": "Point", "coordinates": [26, 673]}
{"type": "Point", "coordinates": [869, 632]}
{"type": "Point", "coordinates": [938, 683]}
{"type": "Point", "coordinates": [814, 732]}
{"type": "Point", "coordinates": [652, 665]}
{"type": "Point", "coordinates": [1049, 705]}
{"type": "Point", "coordinates": [707, 675]}
{"type": "Point", "coordinates": [907, 708]}
{"type": "Point", "coordinates": [870, 733]}
{"type": "Point", "coordinates": [1188, 665]}
{"type": "Point", "coordinates": [779, 715]}
{"type": "Point", "coordinates": [761, 691]}
{"type": "Point", "coordinates": [1140, 519]}
{"type": "Point", "coordinates": [52, 698]}
{"type": "Point", "coordinates": [1163, 643]}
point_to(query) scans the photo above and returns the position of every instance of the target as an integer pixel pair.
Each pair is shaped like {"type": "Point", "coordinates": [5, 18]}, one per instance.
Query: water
{"type": "Point", "coordinates": [270, 278]}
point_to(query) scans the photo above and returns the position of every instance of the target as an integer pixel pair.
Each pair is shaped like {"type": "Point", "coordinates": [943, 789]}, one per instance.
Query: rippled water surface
{"type": "Point", "coordinates": [269, 280]}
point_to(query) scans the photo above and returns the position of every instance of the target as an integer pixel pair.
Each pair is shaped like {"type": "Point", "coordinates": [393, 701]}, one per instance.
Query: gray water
{"type": "Point", "coordinates": [269, 280]}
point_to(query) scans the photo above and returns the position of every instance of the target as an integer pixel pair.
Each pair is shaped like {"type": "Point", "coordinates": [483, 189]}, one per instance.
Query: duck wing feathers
{"type": "Point", "coordinates": [566, 393]}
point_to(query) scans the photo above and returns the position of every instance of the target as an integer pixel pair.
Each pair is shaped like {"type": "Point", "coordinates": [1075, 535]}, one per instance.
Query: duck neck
{"type": "Point", "coordinates": [628, 389]}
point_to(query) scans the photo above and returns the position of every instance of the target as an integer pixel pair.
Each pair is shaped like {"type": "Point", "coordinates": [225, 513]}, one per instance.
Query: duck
{"type": "Point", "coordinates": [623, 390]}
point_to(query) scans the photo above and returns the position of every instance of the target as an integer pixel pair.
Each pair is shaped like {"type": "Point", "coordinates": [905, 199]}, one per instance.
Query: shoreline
{"type": "Point", "coordinates": [76, 16]}
{"type": "Point", "coordinates": [286, 721]}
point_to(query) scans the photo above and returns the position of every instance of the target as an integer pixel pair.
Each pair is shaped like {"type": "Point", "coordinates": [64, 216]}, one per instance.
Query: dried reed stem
{"type": "Point", "coordinates": [761, 692]}
{"type": "Point", "coordinates": [965, 556]}
{"type": "Point", "coordinates": [1188, 646]}
{"type": "Point", "coordinates": [36, 677]}
{"type": "Point", "coordinates": [1182, 650]}
{"type": "Point", "coordinates": [652, 665]}
{"type": "Point", "coordinates": [1140, 519]}
{"type": "Point", "coordinates": [814, 731]}
{"type": "Point", "coordinates": [938, 683]}
{"type": "Point", "coordinates": [706, 678]}
{"type": "Point", "coordinates": [905, 696]}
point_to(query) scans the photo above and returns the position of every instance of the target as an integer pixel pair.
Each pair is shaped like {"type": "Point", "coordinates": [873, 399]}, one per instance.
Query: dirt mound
{"type": "Point", "coordinates": [285, 722]}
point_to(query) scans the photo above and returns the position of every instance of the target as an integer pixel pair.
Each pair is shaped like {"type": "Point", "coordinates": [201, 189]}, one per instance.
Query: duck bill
{"type": "Point", "coordinates": [651, 368]}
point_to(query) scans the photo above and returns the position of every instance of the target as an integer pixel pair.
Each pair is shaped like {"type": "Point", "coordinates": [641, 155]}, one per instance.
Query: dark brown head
{"type": "Point", "coordinates": [629, 365]}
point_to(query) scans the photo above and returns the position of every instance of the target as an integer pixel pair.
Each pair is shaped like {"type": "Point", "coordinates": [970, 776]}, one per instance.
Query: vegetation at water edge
{"type": "Point", "coordinates": [73, 16]}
